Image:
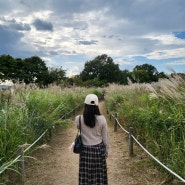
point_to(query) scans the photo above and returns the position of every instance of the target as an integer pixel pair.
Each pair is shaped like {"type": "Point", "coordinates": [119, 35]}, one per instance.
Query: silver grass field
{"type": "Point", "coordinates": [157, 113]}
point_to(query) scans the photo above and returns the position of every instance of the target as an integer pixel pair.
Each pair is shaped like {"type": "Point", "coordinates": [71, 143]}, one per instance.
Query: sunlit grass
{"type": "Point", "coordinates": [29, 112]}
{"type": "Point", "coordinates": [157, 113]}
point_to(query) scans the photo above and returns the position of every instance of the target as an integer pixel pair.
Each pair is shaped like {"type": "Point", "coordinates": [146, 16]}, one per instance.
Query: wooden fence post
{"type": "Point", "coordinates": [21, 164]}
{"type": "Point", "coordinates": [115, 122]}
{"type": "Point", "coordinates": [130, 141]}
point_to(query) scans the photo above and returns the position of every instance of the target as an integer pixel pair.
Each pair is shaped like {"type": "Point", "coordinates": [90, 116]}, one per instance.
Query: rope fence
{"type": "Point", "coordinates": [20, 157]}
{"type": "Point", "coordinates": [131, 138]}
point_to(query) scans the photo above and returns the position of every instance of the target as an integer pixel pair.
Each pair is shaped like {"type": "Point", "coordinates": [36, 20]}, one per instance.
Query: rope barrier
{"type": "Point", "coordinates": [154, 158]}
{"type": "Point", "coordinates": [36, 140]}
{"type": "Point", "coordinates": [19, 156]}
{"type": "Point", "coordinates": [70, 111]}
{"type": "Point", "coordinates": [183, 180]}
{"type": "Point", "coordinates": [121, 126]}
{"type": "Point", "coordinates": [15, 160]}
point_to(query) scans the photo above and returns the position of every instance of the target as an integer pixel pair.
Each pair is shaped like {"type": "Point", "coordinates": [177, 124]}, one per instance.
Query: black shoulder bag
{"type": "Point", "coordinates": [78, 140]}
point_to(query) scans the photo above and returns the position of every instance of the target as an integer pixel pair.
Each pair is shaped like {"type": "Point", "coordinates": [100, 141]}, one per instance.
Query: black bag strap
{"type": "Point", "coordinates": [79, 129]}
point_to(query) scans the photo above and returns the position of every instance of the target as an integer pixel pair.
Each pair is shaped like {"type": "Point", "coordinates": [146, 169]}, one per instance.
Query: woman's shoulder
{"type": "Point", "coordinates": [77, 118]}
{"type": "Point", "coordinates": [101, 117]}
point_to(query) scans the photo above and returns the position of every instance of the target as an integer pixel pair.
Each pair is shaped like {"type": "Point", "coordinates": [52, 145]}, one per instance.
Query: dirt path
{"type": "Point", "coordinates": [57, 165]}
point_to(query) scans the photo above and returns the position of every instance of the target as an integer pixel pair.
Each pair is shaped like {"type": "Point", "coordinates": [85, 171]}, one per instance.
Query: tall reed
{"type": "Point", "coordinates": [28, 113]}
{"type": "Point", "coordinates": [157, 112]}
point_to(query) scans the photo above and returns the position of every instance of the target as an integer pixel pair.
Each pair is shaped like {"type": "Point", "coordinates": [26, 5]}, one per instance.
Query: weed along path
{"type": "Point", "coordinates": [56, 165]}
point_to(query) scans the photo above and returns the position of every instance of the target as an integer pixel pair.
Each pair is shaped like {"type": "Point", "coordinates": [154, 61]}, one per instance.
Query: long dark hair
{"type": "Point", "coordinates": [89, 114]}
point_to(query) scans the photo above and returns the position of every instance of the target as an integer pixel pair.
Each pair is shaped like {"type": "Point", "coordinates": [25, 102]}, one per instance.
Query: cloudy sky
{"type": "Point", "coordinates": [68, 33]}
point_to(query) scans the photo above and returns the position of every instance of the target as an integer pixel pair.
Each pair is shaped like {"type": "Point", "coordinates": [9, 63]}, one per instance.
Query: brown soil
{"type": "Point", "coordinates": [56, 165]}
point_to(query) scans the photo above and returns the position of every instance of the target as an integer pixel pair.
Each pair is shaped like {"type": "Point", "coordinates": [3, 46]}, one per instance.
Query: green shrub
{"type": "Point", "coordinates": [156, 111]}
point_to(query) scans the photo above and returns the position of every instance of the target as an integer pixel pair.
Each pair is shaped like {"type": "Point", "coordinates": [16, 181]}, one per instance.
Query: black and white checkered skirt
{"type": "Point", "coordinates": [93, 166]}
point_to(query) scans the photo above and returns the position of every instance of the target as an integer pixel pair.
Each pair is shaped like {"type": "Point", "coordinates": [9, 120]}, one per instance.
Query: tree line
{"type": "Point", "coordinates": [98, 72]}
{"type": "Point", "coordinates": [29, 70]}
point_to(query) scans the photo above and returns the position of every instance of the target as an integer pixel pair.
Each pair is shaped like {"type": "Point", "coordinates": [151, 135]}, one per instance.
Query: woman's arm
{"type": "Point", "coordinates": [105, 136]}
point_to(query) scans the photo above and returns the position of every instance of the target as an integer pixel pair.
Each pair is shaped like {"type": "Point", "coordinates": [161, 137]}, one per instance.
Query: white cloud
{"type": "Point", "coordinates": [73, 69]}
{"type": "Point", "coordinates": [166, 54]}
{"type": "Point", "coordinates": [166, 39]}
{"type": "Point", "coordinates": [124, 61]}
{"type": "Point", "coordinates": [176, 62]}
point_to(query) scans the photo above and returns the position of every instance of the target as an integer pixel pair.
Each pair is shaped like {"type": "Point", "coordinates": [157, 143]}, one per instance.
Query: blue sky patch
{"type": "Point", "coordinates": [180, 35]}
{"type": "Point", "coordinates": [162, 65]}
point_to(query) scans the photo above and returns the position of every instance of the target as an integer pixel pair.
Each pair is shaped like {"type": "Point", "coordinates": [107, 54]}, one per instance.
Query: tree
{"type": "Point", "coordinates": [95, 83]}
{"type": "Point", "coordinates": [161, 75]}
{"type": "Point", "coordinates": [20, 72]}
{"type": "Point", "coordinates": [29, 70]}
{"type": "Point", "coordinates": [36, 70]}
{"type": "Point", "coordinates": [123, 78]}
{"type": "Point", "coordinates": [101, 68]}
{"type": "Point", "coordinates": [56, 75]}
{"type": "Point", "coordinates": [145, 73]}
{"type": "Point", "coordinates": [75, 80]}
{"type": "Point", "coordinates": [7, 67]}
